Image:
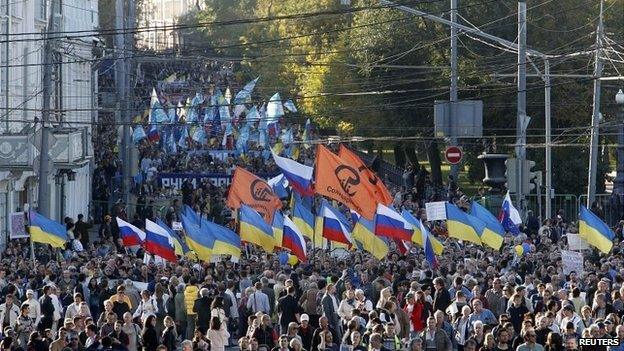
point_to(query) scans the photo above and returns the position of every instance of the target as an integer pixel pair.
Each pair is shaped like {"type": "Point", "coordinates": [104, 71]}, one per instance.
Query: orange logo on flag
{"type": "Point", "coordinates": [248, 189]}
{"type": "Point", "coordinates": [369, 178]}
{"type": "Point", "coordinates": [340, 180]}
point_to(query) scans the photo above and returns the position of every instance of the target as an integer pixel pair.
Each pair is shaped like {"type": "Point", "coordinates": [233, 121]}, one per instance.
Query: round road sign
{"type": "Point", "coordinates": [453, 155]}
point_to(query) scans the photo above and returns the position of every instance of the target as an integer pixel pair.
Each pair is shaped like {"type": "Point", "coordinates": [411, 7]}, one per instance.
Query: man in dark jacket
{"type": "Point", "coordinates": [288, 309]}
{"type": "Point", "coordinates": [202, 308]}
{"type": "Point", "coordinates": [330, 310]}
{"type": "Point", "coordinates": [83, 227]}
{"type": "Point", "coordinates": [47, 310]}
{"type": "Point", "coordinates": [441, 297]}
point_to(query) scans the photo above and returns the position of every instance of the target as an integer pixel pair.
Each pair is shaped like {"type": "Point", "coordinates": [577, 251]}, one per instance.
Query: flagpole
{"type": "Point", "coordinates": [32, 245]}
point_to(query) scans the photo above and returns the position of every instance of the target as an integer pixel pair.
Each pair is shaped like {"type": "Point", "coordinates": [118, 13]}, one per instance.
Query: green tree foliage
{"type": "Point", "coordinates": [372, 71]}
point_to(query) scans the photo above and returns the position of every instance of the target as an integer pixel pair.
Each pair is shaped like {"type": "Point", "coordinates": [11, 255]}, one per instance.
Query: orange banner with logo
{"type": "Point", "coordinates": [248, 189]}
{"type": "Point", "coordinates": [367, 175]}
{"type": "Point", "coordinates": [340, 180]}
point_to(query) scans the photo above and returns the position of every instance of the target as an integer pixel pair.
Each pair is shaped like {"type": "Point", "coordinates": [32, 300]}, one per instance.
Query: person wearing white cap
{"type": "Point", "coordinates": [35, 308]}
{"type": "Point", "coordinates": [305, 331]}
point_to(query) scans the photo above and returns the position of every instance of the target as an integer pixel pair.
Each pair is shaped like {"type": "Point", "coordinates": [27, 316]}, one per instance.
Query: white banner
{"type": "Point", "coordinates": [436, 211]}
{"type": "Point", "coordinates": [575, 243]}
{"type": "Point", "coordinates": [572, 261]}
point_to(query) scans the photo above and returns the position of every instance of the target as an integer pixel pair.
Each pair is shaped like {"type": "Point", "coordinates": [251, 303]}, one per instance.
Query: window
{"type": "Point", "coordinates": [41, 10]}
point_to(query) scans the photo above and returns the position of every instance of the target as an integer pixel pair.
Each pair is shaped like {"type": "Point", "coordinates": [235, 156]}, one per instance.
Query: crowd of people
{"type": "Point", "coordinates": [99, 295]}
{"type": "Point", "coordinates": [105, 297]}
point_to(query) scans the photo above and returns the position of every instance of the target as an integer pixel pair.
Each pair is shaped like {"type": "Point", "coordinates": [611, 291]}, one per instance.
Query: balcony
{"type": "Point", "coordinates": [68, 148]}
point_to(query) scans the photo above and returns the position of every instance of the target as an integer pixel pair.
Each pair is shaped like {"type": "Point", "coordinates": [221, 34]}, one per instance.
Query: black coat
{"type": "Point", "coordinates": [441, 300]}
{"type": "Point", "coordinates": [202, 308]}
{"type": "Point", "coordinates": [149, 338]}
{"type": "Point", "coordinates": [287, 308]}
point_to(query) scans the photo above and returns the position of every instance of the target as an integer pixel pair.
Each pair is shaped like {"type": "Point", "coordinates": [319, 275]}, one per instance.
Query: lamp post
{"type": "Point", "coordinates": [618, 182]}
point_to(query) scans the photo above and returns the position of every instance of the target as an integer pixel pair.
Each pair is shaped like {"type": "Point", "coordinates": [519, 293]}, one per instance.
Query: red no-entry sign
{"type": "Point", "coordinates": [453, 155]}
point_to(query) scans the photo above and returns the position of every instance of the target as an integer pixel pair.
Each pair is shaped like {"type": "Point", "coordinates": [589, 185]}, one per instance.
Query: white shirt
{"type": "Point", "coordinates": [35, 310]}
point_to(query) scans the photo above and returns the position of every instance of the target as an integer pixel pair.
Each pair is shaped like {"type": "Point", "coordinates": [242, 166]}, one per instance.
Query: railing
{"type": "Point", "coordinates": [567, 202]}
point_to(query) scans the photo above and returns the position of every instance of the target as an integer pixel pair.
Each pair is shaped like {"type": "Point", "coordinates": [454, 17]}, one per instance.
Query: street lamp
{"type": "Point", "coordinates": [618, 182]}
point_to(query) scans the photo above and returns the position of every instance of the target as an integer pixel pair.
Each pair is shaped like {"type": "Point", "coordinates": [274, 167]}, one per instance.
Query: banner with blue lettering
{"type": "Point", "coordinates": [175, 180]}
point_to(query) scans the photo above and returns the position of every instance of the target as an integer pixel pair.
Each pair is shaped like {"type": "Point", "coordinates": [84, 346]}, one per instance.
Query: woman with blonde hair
{"type": "Point", "coordinates": [384, 296]}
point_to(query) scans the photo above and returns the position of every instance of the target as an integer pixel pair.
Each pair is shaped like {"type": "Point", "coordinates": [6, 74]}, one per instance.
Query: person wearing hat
{"type": "Point", "coordinates": [35, 307]}
{"type": "Point", "coordinates": [305, 331]}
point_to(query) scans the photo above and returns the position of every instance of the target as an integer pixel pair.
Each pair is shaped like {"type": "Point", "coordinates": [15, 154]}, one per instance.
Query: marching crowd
{"type": "Point", "coordinates": [105, 297]}
{"type": "Point", "coordinates": [99, 296]}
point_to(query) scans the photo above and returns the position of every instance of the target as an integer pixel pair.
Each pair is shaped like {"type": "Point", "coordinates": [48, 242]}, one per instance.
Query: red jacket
{"type": "Point", "coordinates": [419, 315]}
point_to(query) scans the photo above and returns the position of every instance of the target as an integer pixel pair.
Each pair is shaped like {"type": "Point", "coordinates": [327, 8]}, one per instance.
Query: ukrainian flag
{"type": "Point", "coordinates": [364, 234]}
{"type": "Point", "coordinates": [460, 225]}
{"type": "Point", "coordinates": [253, 229]}
{"type": "Point", "coordinates": [196, 240]}
{"type": "Point", "coordinates": [596, 232]}
{"type": "Point", "coordinates": [417, 237]}
{"type": "Point", "coordinates": [46, 231]}
{"type": "Point", "coordinates": [523, 249]}
{"type": "Point", "coordinates": [303, 219]}
{"type": "Point", "coordinates": [493, 232]}
{"type": "Point", "coordinates": [226, 241]}
{"type": "Point", "coordinates": [278, 228]}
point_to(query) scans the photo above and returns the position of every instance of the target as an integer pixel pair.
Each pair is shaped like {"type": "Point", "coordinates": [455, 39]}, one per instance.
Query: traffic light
{"type": "Point", "coordinates": [529, 177]}
{"type": "Point", "coordinates": [510, 175]}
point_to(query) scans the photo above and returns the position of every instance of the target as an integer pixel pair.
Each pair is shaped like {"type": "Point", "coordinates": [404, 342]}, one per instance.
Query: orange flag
{"type": "Point", "coordinates": [340, 180]}
{"type": "Point", "coordinates": [248, 189]}
{"type": "Point", "coordinates": [368, 177]}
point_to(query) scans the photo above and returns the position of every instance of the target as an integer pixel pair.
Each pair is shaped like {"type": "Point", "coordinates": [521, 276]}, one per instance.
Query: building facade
{"type": "Point", "coordinates": [73, 105]}
{"type": "Point", "coordinates": [156, 18]}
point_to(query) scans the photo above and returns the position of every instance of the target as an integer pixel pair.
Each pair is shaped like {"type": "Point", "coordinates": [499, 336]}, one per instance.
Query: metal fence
{"type": "Point", "coordinates": [568, 203]}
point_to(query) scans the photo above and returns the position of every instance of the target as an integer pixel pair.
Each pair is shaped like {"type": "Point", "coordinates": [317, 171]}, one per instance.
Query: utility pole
{"type": "Point", "coordinates": [120, 82]}
{"type": "Point", "coordinates": [548, 168]}
{"type": "Point", "coordinates": [453, 92]}
{"type": "Point", "coordinates": [593, 151]}
{"type": "Point", "coordinates": [7, 69]}
{"type": "Point", "coordinates": [128, 110]}
{"type": "Point", "coordinates": [522, 120]}
{"type": "Point", "coordinates": [45, 162]}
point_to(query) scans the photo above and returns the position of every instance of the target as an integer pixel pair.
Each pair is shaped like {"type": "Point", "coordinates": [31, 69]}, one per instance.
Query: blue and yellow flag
{"type": "Point", "coordinates": [278, 228]}
{"type": "Point", "coordinates": [304, 219]}
{"type": "Point", "coordinates": [364, 235]}
{"type": "Point", "coordinates": [47, 231]}
{"type": "Point", "coordinates": [253, 229]}
{"type": "Point", "coordinates": [493, 232]}
{"type": "Point", "coordinates": [226, 241]}
{"type": "Point", "coordinates": [417, 237]}
{"type": "Point", "coordinates": [460, 225]}
{"type": "Point", "coordinates": [596, 232]}
{"type": "Point", "coordinates": [197, 241]}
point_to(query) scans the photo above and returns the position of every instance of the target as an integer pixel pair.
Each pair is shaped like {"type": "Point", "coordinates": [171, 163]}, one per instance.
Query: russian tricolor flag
{"type": "Point", "coordinates": [159, 242]}
{"type": "Point", "coordinates": [509, 216]}
{"type": "Point", "coordinates": [153, 135]}
{"type": "Point", "coordinates": [390, 223]}
{"type": "Point", "coordinates": [293, 239]}
{"type": "Point", "coordinates": [334, 228]}
{"type": "Point", "coordinates": [130, 235]}
{"type": "Point", "coordinates": [299, 176]}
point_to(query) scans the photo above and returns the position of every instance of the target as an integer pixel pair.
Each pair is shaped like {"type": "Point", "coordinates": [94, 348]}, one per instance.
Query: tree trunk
{"type": "Point", "coordinates": [399, 155]}
{"type": "Point", "coordinates": [433, 154]}
{"type": "Point", "coordinates": [412, 156]}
